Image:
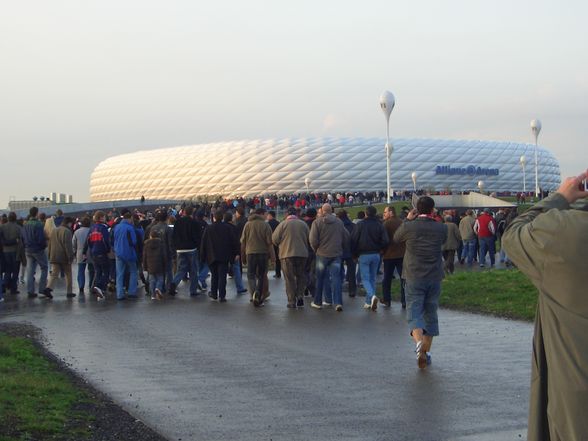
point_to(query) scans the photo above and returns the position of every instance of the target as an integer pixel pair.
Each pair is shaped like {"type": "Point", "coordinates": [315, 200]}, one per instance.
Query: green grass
{"type": "Point", "coordinates": [36, 400]}
{"type": "Point", "coordinates": [504, 293]}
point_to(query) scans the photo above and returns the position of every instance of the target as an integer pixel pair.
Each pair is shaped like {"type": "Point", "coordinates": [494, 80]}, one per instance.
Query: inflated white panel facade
{"type": "Point", "coordinates": [255, 167]}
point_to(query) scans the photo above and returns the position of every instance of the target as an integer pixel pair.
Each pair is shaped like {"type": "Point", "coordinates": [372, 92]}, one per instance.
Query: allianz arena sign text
{"type": "Point", "coordinates": [470, 170]}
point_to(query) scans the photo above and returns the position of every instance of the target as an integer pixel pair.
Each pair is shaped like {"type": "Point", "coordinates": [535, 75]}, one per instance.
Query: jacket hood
{"type": "Point", "coordinates": [254, 217]}
{"type": "Point", "coordinates": [330, 219]}
{"type": "Point", "coordinates": [153, 243]}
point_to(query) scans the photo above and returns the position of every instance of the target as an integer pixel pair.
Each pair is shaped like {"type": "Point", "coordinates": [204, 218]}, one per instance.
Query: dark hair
{"type": "Point", "coordinates": [391, 209]}
{"type": "Point", "coordinates": [160, 216]}
{"type": "Point", "coordinates": [218, 215]}
{"type": "Point", "coordinates": [311, 212]}
{"type": "Point", "coordinates": [12, 216]}
{"type": "Point", "coordinates": [361, 214]}
{"type": "Point", "coordinates": [371, 211]}
{"type": "Point", "coordinates": [260, 211]}
{"type": "Point", "coordinates": [153, 233]}
{"type": "Point", "coordinates": [59, 212]}
{"type": "Point", "coordinates": [342, 214]}
{"type": "Point", "coordinates": [272, 213]}
{"type": "Point", "coordinates": [86, 221]}
{"type": "Point", "coordinates": [228, 217]}
{"type": "Point", "coordinates": [241, 210]}
{"type": "Point", "coordinates": [127, 215]}
{"type": "Point", "coordinates": [425, 205]}
{"type": "Point", "coordinates": [188, 210]}
{"type": "Point", "coordinates": [67, 220]}
{"type": "Point", "coordinates": [33, 212]}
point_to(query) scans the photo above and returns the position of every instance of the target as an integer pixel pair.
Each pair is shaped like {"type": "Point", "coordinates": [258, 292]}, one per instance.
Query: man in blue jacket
{"type": "Point", "coordinates": [125, 243]}
{"type": "Point", "coordinates": [35, 245]}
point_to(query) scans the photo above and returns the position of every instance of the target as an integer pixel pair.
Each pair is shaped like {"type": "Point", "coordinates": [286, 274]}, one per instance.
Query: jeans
{"type": "Point", "coordinates": [469, 250]}
{"type": "Point", "coordinates": [487, 245]}
{"type": "Point", "coordinates": [156, 282]}
{"type": "Point", "coordinates": [422, 298]}
{"type": "Point", "coordinates": [188, 263]}
{"type": "Point", "coordinates": [256, 272]}
{"type": "Point", "coordinates": [293, 268]}
{"type": "Point", "coordinates": [237, 276]}
{"type": "Point", "coordinates": [10, 271]}
{"type": "Point", "coordinates": [218, 279]}
{"type": "Point", "coordinates": [123, 266]}
{"type": "Point", "coordinates": [102, 272]}
{"type": "Point", "coordinates": [34, 259]}
{"type": "Point", "coordinates": [368, 266]}
{"type": "Point", "coordinates": [82, 274]}
{"type": "Point", "coordinates": [389, 266]}
{"type": "Point", "coordinates": [349, 274]}
{"type": "Point", "coordinates": [328, 269]}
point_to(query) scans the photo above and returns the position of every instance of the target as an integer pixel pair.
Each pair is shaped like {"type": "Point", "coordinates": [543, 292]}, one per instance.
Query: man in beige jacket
{"type": "Point", "coordinates": [61, 254]}
{"type": "Point", "coordinates": [549, 243]}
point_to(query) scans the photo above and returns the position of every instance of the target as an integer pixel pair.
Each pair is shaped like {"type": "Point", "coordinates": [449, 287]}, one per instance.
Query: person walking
{"type": "Point", "coordinates": [165, 234]}
{"type": "Point", "coordinates": [80, 236]}
{"type": "Point", "coordinates": [236, 263]}
{"type": "Point", "coordinates": [219, 248]}
{"type": "Point", "coordinates": [97, 250]}
{"type": "Point", "coordinates": [186, 238]}
{"type": "Point", "coordinates": [369, 238]}
{"type": "Point", "coordinates": [451, 244]}
{"type": "Point", "coordinates": [35, 245]}
{"type": "Point", "coordinates": [291, 239]}
{"type": "Point", "coordinates": [485, 229]}
{"type": "Point", "coordinates": [61, 255]}
{"type": "Point", "coordinates": [393, 256]}
{"type": "Point", "coordinates": [155, 262]}
{"type": "Point", "coordinates": [348, 266]}
{"type": "Point", "coordinates": [12, 245]}
{"type": "Point", "coordinates": [327, 238]}
{"type": "Point", "coordinates": [468, 236]}
{"type": "Point", "coordinates": [548, 244]}
{"type": "Point", "coordinates": [125, 250]}
{"type": "Point", "coordinates": [273, 223]}
{"type": "Point", "coordinates": [423, 272]}
{"type": "Point", "coordinates": [310, 266]}
{"type": "Point", "coordinates": [257, 248]}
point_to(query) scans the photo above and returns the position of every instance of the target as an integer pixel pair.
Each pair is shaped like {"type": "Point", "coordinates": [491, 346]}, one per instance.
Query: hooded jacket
{"type": "Point", "coordinates": [257, 236]}
{"type": "Point", "coordinates": [291, 236]}
{"type": "Point", "coordinates": [154, 256]}
{"type": "Point", "coordinates": [327, 236]}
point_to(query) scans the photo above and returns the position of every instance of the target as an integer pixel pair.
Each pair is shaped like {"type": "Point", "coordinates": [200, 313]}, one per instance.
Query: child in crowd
{"type": "Point", "coordinates": [155, 263]}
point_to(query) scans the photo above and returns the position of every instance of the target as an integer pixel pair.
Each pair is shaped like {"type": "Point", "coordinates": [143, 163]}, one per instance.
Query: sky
{"type": "Point", "coordinates": [81, 81]}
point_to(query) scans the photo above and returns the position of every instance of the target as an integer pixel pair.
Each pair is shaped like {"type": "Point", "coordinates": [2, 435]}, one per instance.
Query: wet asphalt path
{"type": "Point", "coordinates": [198, 370]}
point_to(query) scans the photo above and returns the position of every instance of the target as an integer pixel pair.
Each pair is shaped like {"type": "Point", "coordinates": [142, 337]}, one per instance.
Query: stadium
{"type": "Point", "coordinates": [277, 166]}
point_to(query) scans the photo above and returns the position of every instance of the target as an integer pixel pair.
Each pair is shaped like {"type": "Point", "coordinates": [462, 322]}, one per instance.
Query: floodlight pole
{"type": "Point", "coordinates": [536, 128]}
{"type": "Point", "coordinates": [523, 161]}
{"type": "Point", "coordinates": [387, 102]}
{"type": "Point", "coordinates": [414, 180]}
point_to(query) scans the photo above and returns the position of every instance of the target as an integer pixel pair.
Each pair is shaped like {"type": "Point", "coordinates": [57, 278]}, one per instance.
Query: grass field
{"type": "Point", "coordinates": [36, 401]}
{"type": "Point", "coordinates": [504, 293]}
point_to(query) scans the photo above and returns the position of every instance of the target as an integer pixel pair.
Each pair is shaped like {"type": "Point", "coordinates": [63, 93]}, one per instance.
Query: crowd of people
{"type": "Point", "coordinates": [319, 252]}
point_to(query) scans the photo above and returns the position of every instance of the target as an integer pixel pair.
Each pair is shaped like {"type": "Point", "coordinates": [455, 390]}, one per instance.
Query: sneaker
{"type": "Point", "coordinates": [153, 296]}
{"type": "Point", "coordinates": [70, 295]}
{"type": "Point", "coordinates": [367, 306]}
{"type": "Point", "coordinates": [327, 304]}
{"type": "Point", "coordinates": [315, 306]}
{"type": "Point", "coordinates": [15, 292]}
{"type": "Point", "coordinates": [222, 300]}
{"type": "Point", "coordinates": [213, 296]}
{"type": "Point", "coordinates": [339, 308]}
{"type": "Point", "coordinates": [98, 292]}
{"type": "Point", "coordinates": [158, 294]}
{"type": "Point", "coordinates": [291, 306]}
{"type": "Point", "coordinates": [1, 299]}
{"type": "Point", "coordinates": [387, 304]}
{"type": "Point", "coordinates": [82, 291]}
{"type": "Point", "coordinates": [242, 291]}
{"type": "Point", "coordinates": [421, 355]}
{"type": "Point", "coordinates": [481, 265]}
{"type": "Point", "coordinates": [429, 361]}
{"type": "Point", "coordinates": [277, 276]}
{"type": "Point", "coordinates": [306, 293]}
{"type": "Point", "coordinates": [32, 295]}
{"type": "Point", "coordinates": [404, 306]}
{"type": "Point", "coordinates": [256, 298]}
{"type": "Point", "coordinates": [172, 289]}
{"type": "Point", "coordinates": [47, 293]}
{"type": "Point", "coordinates": [352, 294]}
{"type": "Point", "coordinates": [374, 304]}
{"type": "Point", "coordinates": [300, 303]}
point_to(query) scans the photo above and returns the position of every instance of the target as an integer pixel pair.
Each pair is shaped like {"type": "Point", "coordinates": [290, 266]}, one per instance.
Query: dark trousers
{"type": "Point", "coordinates": [278, 263]}
{"type": "Point", "coordinates": [256, 272]}
{"type": "Point", "coordinates": [218, 279]}
{"type": "Point", "coordinates": [310, 271]}
{"type": "Point", "coordinates": [449, 257]}
{"type": "Point", "coordinates": [10, 270]}
{"type": "Point", "coordinates": [102, 271]}
{"type": "Point", "coordinates": [389, 266]}
{"type": "Point", "coordinates": [294, 277]}
{"type": "Point", "coordinates": [348, 274]}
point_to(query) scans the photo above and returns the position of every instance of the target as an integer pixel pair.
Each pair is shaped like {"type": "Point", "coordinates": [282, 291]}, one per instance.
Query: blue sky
{"type": "Point", "coordinates": [82, 81]}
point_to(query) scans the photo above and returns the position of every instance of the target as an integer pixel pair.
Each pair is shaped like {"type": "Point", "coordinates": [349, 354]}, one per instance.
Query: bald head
{"type": "Point", "coordinates": [327, 209]}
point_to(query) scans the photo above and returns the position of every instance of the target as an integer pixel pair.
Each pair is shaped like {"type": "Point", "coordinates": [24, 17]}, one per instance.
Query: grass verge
{"type": "Point", "coordinates": [36, 400]}
{"type": "Point", "coordinates": [503, 293]}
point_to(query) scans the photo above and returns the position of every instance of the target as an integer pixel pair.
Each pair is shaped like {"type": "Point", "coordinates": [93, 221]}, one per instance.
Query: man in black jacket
{"type": "Point", "coordinates": [368, 238]}
{"type": "Point", "coordinates": [186, 240]}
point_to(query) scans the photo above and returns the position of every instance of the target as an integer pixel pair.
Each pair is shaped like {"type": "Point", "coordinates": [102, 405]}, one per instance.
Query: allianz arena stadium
{"type": "Point", "coordinates": [257, 167]}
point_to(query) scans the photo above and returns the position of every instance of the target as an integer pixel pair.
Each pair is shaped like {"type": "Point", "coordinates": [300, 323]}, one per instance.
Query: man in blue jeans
{"type": "Point", "coordinates": [327, 238]}
{"type": "Point", "coordinates": [187, 236]}
{"type": "Point", "coordinates": [369, 237]}
{"type": "Point", "coordinates": [125, 243]}
{"type": "Point", "coordinates": [468, 236]}
{"type": "Point", "coordinates": [423, 272]}
{"type": "Point", "coordinates": [35, 246]}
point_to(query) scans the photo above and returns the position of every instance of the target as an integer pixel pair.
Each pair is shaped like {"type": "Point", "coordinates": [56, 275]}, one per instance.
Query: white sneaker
{"type": "Point", "coordinates": [315, 306]}
{"type": "Point", "coordinates": [98, 293]}
{"type": "Point", "coordinates": [367, 306]}
{"type": "Point", "coordinates": [374, 304]}
{"type": "Point", "coordinates": [327, 304]}
{"type": "Point", "coordinates": [339, 308]}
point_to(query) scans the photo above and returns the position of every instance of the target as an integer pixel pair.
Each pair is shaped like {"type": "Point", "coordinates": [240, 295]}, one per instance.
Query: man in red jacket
{"type": "Point", "coordinates": [485, 229]}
